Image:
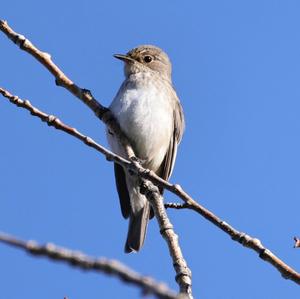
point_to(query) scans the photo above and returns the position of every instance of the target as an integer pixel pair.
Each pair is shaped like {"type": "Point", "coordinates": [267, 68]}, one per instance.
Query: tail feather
{"type": "Point", "coordinates": [138, 223]}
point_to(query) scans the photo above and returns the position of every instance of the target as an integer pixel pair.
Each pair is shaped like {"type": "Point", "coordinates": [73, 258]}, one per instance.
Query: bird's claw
{"type": "Point", "coordinates": [137, 160]}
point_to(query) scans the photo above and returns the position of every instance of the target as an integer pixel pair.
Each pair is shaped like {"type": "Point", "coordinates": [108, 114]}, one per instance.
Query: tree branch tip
{"type": "Point", "coordinates": [297, 242]}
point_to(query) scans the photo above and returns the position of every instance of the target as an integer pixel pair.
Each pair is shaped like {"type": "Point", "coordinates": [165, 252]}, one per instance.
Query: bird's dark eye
{"type": "Point", "coordinates": [147, 59]}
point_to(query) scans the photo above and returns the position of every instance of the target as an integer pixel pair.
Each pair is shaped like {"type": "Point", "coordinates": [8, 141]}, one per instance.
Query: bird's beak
{"type": "Point", "coordinates": [124, 58]}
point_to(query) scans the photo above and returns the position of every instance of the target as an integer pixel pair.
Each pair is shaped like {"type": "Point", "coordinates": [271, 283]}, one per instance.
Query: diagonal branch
{"type": "Point", "coordinates": [184, 274]}
{"type": "Point", "coordinates": [79, 260]}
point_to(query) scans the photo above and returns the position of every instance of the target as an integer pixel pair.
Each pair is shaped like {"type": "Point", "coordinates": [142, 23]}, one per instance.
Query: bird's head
{"type": "Point", "coordinates": [145, 58]}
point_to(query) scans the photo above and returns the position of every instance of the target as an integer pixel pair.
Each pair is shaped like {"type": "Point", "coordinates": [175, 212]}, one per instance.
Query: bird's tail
{"type": "Point", "coordinates": [138, 223]}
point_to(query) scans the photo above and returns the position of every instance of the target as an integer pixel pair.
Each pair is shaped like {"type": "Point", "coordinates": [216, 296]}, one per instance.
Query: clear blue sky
{"type": "Point", "coordinates": [236, 68]}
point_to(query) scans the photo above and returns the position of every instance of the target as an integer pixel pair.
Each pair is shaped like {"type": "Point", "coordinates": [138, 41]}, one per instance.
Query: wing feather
{"type": "Point", "coordinates": [167, 166]}
{"type": "Point", "coordinates": [122, 190]}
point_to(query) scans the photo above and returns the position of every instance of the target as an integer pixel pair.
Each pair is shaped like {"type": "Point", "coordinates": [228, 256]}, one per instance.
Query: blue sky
{"type": "Point", "coordinates": [236, 68]}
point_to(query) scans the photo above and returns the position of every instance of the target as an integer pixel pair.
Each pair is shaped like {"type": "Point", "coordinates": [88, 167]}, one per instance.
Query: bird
{"type": "Point", "coordinates": [150, 114]}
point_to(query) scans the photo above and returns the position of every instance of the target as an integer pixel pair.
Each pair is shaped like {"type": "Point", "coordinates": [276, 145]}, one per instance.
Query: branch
{"type": "Point", "coordinates": [184, 274]}
{"type": "Point", "coordinates": [102, 113]}
{"type": "Point", "coordinates": [247, 241]}
{"type": "Point", "coordinates": [77, 259]}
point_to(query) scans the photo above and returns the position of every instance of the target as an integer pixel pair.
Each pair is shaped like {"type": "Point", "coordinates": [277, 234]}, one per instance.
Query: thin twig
{"type": "Point", "coordinates": [247, 241]}
{"type": "Point", "coordinates": [297, 242]}
{"type": "Point", "coordinates": [184, 274]}
{"type": "Point", "coordinates": [55, 122]}
{"type": "Point", "coordinates": [77, 259]}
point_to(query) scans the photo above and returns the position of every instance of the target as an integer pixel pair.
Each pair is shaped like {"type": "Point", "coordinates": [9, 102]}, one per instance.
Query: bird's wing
{"type": "Point", "coordinates": [167, 166]}
{"type": "Point", "coordinates": [122, 190]}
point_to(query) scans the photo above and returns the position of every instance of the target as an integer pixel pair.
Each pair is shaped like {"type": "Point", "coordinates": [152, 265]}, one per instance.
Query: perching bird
{"type": "Point", "coordinates": [149, 113]}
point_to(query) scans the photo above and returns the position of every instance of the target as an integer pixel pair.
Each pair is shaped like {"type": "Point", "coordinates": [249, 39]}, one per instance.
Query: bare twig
{"type": "Point", "coordinates": [77, 259]}
{"type": "Point", "coordinates": [297, 242]}
{"type": "Point", "coordinates": [184, 274]}
{"type": "Point", "coordinates": [250, 242]}
{"type": "Point", "coordinates": [52, 120]}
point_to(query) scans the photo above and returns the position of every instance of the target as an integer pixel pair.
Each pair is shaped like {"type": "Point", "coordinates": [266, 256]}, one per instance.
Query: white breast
{"type": "Point", "coordinates": [144, 110]}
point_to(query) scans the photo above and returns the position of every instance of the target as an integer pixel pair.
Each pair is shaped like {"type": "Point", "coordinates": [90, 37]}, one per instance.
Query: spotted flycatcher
{"type": "Point", "coordinates": [149, 113]}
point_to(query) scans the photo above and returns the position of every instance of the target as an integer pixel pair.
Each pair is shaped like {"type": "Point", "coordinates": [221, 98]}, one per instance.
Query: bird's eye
{"type": "Point", "coordinates": [147, 59]}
